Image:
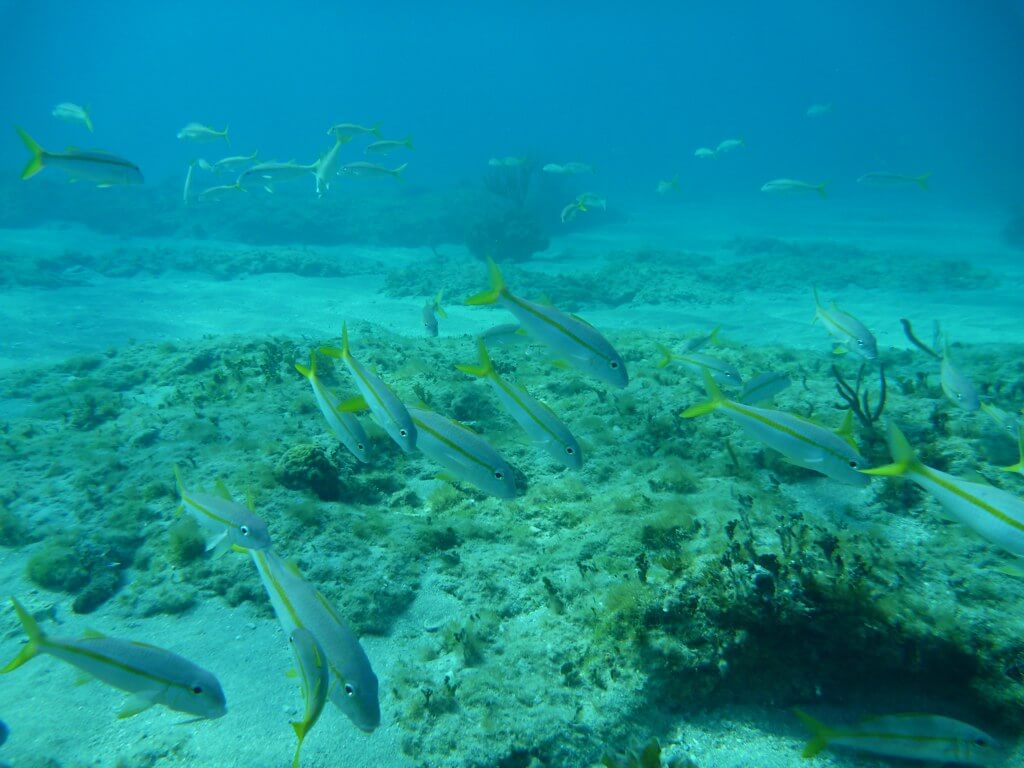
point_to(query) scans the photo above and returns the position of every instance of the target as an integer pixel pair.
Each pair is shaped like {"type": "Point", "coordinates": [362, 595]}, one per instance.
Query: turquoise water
{"type": "Point", "coordinates": [602, 539]}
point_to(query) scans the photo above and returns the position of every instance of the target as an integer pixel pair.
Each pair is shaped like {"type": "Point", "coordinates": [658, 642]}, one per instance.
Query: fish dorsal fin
{"type": "Point", "coordinates": [222, 490]}
{"type": "Point", "coordinates": [250, 499]}
{"type": "Point", "coordinates": [845, 430]}
{"type": "Point", "coordinates": [292, 566]}
{"type": "Point", "coordinates": [581, 320]}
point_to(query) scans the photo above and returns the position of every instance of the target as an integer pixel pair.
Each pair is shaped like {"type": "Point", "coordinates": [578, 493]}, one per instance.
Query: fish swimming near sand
{"type": "Point", "coordinates": [233, 164]}
{"type": "Point", "coordinates": [567, 169]}
{"type": "Point", "coordinates": [431, 311]}
{"type": "Point", "coordinates": [913, 736]}
{"type": "Point", "coordinates": [151, 675]}
{"type": "Point", "coordinates": [800, 440]}
{"type": "Point", "coordinates": [104, 169]}
{"type": "Point", "coordinates": [347, 131]}
{"type": "Point", "coordinates": [1008, 422]}
{"type": "Point", "coordinates": [268, 174]}
{"type": "Point", "coordinates": [992, 513]}
{"type": "Point", "coordinates": [885, 179]}
{"type": "Point", "coordinates": [73, 113]}
{"type": "Point", "coordinates": [230, 523]}
{"type": "Point", "coordinates": [723, 372]}
{"type": "Point", "coordinates": [202, 133]}
{"type": "Point", "coordinates": [764, 387]}
{"type": "Point", "coordinates": [568, 336]}
{"type": "Point", "coordinates": [849, 332]}
{"type": "Point", "coordinates": [315, 678]}
{"type": "Point", "coordinates": [569, 212]}
{"type": "Point", "coordinates": [187, 191]}
{"type": "Point", "coordinates": [342, 424]}
{"type": "Point", "coordinates": [704, 153]}
{"type": "Point", "coordinates": [383, 403]}
{"type": "Point", "coordinates": [794, 185]}
{"type": "Point", "coordinates": [462, 453]}
{"type": "Point", "coordinates": [667, 187]}
{"type": "Point", "coordinates": [538, 421]}
{"type": "Point", "coordinates": [220, 192]}
{"type": "Point", "coordinates": [370, 170]}
{"type": "Point", "coordinates": [299, 605]}
{"type": "Point", "coordinates": [327, 167]}
{"type": "Point", "coordinates": [387, 146]}
{"type": "Point", "coordinates": [958, 389]}
{"type": "Point", "coordinates": [729, 145]}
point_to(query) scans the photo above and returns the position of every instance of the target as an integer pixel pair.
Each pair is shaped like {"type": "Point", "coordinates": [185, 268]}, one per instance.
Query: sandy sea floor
{"type": "Point", "coordinates": [89, 312]}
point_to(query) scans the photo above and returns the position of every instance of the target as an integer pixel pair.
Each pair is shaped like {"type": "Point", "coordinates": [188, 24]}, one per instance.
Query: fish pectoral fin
{"type": "Point", "coordinates": [219, 545]}
{"type": "Point", "coordinates": [839, 349]}
{"type": "Point", "coordinates": [355, 404]}
{"type": "Point", "coordinates": [92, 634]}
{"type": "Point", "coordinates": [140, 702]}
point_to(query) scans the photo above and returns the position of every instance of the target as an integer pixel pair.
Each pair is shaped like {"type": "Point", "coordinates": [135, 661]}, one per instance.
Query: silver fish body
{"type": "Point", "coordinates": [152, 675]}
{"type": "Point", "coordinates": [298, 604]}
{"type": "Point", "coordinates": [463, 453]}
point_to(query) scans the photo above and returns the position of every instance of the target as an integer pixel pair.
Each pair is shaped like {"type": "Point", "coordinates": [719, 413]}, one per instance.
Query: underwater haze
{"type": "Point", "coordinates": [511, 386]}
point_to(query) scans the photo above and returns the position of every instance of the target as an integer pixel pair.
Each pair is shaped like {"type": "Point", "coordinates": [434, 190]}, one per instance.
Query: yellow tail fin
{"type": "Point", "coordinates": [300, 734]}
{"type": "Point", "coordinates": [715, 398]}
{"type": "Point", "coordinates": [820, 734]}
{"type": "Point", "coordinates": [35, 163]}
{"type": "Point", "coordinates": [496, 290]}
{"type": "Point", "coordinates": [310, 372]}
{"type": "Point", "coordinates": [903, 457]}
{"type": "Point", "coordinates": [485, 368]}
{"type": "Point", "coordinates": [35, 638]}
{"type": "Point", "coordinates": [666, 356]}
{"type": "Point", "coordinates": [922, 180]}
{"type": "Point", "coordinates": [1019, 466]}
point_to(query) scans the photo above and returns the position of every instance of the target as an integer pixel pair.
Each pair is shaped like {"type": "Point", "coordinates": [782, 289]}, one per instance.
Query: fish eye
{"type": "Point", "coordinates": [614, 364]}
{"type": "Point", "coordinates": [854, 464]}
{"type": "Point", "coordinates": [349, 690]}
{"type": "Point", "coordinates": [197, 689]}
{"type": "Point", "coordinates": [860, 342]}
{"type": "Point", "coordinates": [360, 446]}
{"type": "Point", "coordinates": [499, 475]}
{"type": "Point", "coordinates": [403, 433]}
{"type": "Point", "coordinates": [244, 530]}
{"type": "Point", "coordinates": [570, 450]}
{"type": "Point", "coordinates": [980, 742]}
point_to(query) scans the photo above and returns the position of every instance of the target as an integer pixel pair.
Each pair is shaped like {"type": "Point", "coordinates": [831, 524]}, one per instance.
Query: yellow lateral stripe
{"type": "Point", "coordinates": [278, 588]}
{"type": "Point", "coordinates": [354, 366]}
{"type": "Point", "coordinates": [521, 304]}
{"type": "Point", "coordinates": [506, 387]}
{"type": "Point", "coordinates": [778, 427]}
{"type": "Point", "coordinates": [204, 511]}
{"type": "Point", "coordinates": [969, 498]}
{"type": "Point", "coordinates": [442, 439]}
{"type": "Point", "coordinates": [831, 319]}
{"type": "Point", "coordinates": [328, 397]}
{"type": "Point", "coordinates": [99, 657]}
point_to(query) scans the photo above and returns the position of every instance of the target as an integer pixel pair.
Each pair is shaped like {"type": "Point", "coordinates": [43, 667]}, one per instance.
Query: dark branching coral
{"type": "Point", "coordinates": [511, 235]}
{"type": "Point", "coordinates": [858, 398]}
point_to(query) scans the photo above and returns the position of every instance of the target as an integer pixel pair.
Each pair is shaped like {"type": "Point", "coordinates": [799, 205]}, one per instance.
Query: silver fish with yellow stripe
{"type": "Point", "coordinates": [991, 512]}
{"type": "Point", "coordinates": [298, 604]}
{"type": "Point", "coordinates": [231, 523]}
{"type": "Point", "coordinates": [847, 330]}
{"type": "Point", "coordinates": [152, 675]}
{"type": "Point", "coordinates": [571, 337]}
{"type": "Point", "coordinates": [959, 389]}
{"type": "Point", "coordinates": [696, 362]}
{"type": "Point", "coordinates": [801, 441]}
{"type": "Point", "coordinates": [911, 736]}
{"type": "Point", "coordinates": [536, 419]}
{"type": "Point", "coordinates": [384, 404]}
{"type": "Point", "coordinates": [315, 678]}
{"type": "Point", "coordinates": [342, 424]}
{"type": "Point", "coordinates": [463, 453]}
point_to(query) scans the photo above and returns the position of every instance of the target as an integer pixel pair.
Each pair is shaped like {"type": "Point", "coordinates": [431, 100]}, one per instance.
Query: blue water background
{"type": "Point", "coordinates": [931, 86]}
